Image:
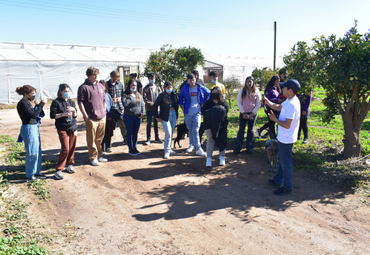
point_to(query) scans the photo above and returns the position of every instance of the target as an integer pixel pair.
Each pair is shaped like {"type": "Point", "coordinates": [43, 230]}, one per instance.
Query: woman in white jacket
{"type": "Point", "coordinates": [249, 101]}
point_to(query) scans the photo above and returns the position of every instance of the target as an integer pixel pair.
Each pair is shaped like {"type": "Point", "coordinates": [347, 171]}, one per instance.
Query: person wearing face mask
{"type": "Point", "coordinates": [272, 93]}
{"type": "Point", "coordinates": [133, 76]}
{"type": "Point", "coordinates": [64, 111]}
{"type": "Point", "coordinates": [132, 116]}
{"type": "Point", "coordinates": [249, 101]}
{"type": "Point", "coordinates": [215, 123]}
{"type": "Point", "coordinates": [30, 130]}
{"type": "Point", "coordinates": [150, 94]}
{"type": "Point", "coordinates": [115, 90]}
{"type": "Point", "coordinates": [168, 104]}
{"type": "Point", "coordinates": [214, 82]}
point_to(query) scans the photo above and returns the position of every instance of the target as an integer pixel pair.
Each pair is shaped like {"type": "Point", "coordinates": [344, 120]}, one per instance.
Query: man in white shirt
{"type": "Point", "coordinates": [288, 124]}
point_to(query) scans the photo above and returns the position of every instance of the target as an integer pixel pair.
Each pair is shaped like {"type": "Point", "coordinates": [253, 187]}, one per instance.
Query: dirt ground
{"type": "Point", "coordinates": [148, 205]}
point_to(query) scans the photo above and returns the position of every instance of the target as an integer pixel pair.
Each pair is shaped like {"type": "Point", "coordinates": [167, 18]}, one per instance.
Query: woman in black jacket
{"type": "Point", "coordinates": [169, 105]}
{"type": "Point", "coordinates": [30, 131]}
{"type": "Point", "coordinates": [64, 111]}
{"type": "Point", "coordinates": [215, 124]}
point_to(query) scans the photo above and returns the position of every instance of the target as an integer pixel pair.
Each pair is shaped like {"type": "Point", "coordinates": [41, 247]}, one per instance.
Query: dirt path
{"type": "Point", "coordinates": [147, 205]}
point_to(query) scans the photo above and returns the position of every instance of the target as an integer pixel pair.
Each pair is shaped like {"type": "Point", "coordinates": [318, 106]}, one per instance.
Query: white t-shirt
{"type": "Point", "coordinates": [291, 110]}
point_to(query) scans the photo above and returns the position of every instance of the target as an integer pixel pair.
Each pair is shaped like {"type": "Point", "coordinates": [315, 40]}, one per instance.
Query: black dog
{"type": "Point", "coordinates": [182, 130]}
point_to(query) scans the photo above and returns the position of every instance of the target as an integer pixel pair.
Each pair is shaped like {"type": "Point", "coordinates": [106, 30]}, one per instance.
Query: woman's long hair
{"type": "Point", "coordinates": [221, 96]}
{"type": "Point", "coordinates": [271, 84]}
{"type": "Point", "coordinates": [166, 96]}
{"type": "Point", "coordinates": [105, 84]}
{"type": "Point", "coordinates": [62, 87]}
{"type": "Point", "coordinates": [129, 92]}
{"type": "Point", "coordinates": [245, 88]}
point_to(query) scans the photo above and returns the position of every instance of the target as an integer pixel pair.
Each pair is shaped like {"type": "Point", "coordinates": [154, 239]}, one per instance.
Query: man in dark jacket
{"type": "Point", "coordinates": [115, 90]}
{"type": "Point", "coordinates": [150, 94]}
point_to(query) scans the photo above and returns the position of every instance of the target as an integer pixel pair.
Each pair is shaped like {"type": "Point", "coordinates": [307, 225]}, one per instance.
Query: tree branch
{"type": "Point", "coordinates": [339, 104]}
{"type": "Point", "coordinates": [350, 103]}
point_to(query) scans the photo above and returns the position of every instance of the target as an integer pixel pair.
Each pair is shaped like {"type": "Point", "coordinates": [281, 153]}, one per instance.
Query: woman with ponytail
{"type": "Point", "coordinates": [30, 131]}
{"type": "Point", "coordinates": [64, 111]}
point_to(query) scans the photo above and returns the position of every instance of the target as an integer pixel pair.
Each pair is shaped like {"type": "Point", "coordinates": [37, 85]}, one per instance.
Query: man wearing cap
{"type": "Point", "coordinates": [288, 124]}
{"type": "Point", "coordinates": [191, 98]}
{"type": "Point", "coordinates": [214, 82]}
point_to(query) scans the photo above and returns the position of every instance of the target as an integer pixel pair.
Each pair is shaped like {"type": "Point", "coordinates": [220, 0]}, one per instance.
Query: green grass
{"type": "Point", "coordinates": [13, 213]}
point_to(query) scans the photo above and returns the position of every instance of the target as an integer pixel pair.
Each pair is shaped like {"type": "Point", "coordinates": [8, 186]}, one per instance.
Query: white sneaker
{"type": "Point", "coordinates": [190, 149]}
{"type": "Point", "coordinates": [209, 162]}
{"type": "Point", "coordinates": [222, 161]}
{"type": "Point", "coordinates": [200, 152]}
{"type": "Point", "coordinates": [172, 152]}
{"type": "Point", "coordinates": [95, 162]}
{"type": "Point", "coordinates": [166, 156]}
{"type": "Point", "coordinates": [101, 159]}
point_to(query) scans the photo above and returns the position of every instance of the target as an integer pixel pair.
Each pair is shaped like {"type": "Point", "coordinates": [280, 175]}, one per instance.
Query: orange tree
{"type": "Point", "coordinates": [343, 69]}
{"type": "Point", "coordinates": [169, 64]}
{"type": "Point", "coordinates": [300, 64]}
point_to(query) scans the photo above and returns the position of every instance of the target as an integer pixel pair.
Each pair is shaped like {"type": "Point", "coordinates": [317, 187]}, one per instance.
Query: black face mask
{"type": "Point", "coordinates": [32, 98]}
{"type": "Point", "coordinates": [215, 96]}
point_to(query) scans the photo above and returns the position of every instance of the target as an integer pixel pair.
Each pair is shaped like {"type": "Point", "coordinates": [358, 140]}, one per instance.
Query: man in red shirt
{"type": "Point", "coordinates": [91, 101]}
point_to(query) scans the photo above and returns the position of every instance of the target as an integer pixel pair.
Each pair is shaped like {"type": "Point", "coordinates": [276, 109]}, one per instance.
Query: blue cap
{"type": "Point", "coordinates": [291, 84]}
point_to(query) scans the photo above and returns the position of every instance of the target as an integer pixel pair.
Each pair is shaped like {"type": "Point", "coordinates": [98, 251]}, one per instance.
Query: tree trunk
{"type": "Point", "coordinates": [352, 145]}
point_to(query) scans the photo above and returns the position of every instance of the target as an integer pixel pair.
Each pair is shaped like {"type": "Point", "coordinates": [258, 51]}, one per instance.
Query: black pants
{"type": "Point", "coordinates": [110, 125]}
{"type": "Point", "coordinates": [303, 126]}
{"type": "Point", "coordinates": [270, 124]}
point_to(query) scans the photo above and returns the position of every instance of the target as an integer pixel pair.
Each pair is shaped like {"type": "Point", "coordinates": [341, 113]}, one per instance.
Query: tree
{"type": "Point", "coordinates": [262, 77]}
{"type": "Point", "coordinates": [343, 69]}
{"type": "Point", "coordinates": [232, 83]}
{"type": "Point", "coordinates": [169, 64]}
{"type": "Point", "coordinates": [300, 64]}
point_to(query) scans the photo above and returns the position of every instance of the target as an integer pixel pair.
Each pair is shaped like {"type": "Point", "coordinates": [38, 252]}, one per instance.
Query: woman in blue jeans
{"type": "Point", "coordinates": [134, 111]}
{"type": "Point", "coordinates": [168, 107]}
{"type": "Point", "coordinates": [30, 130]}
{"type": "Point", "coordinates": [249, 101]}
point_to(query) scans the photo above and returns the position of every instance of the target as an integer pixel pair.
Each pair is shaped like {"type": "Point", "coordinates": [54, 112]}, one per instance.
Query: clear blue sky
{"type": "Point", "coordinates": [225, 27]}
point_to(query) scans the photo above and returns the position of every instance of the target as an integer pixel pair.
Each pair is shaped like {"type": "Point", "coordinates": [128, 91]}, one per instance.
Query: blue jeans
{"type": "Point", "coordinates": [285, 169]}
{"type": "Point", "coordinates": [150, 118]}
{"type": "Point", "coordinates": [193, 124]}
{"type": "Point", "coordinates": [132, 124]}
{"type": "Point", "coordinates": [250, 134]}
{"type": "Point", "coordinates": [169, 127]}
{"type": "Point", "coordinates": [31, 137]}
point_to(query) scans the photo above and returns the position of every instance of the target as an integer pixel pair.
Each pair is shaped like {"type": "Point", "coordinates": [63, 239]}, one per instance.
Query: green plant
{"type": "Point", "coordinates": [39, 188]}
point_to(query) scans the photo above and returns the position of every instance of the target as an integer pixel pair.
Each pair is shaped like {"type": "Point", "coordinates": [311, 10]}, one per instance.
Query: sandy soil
{"type": "Point", "coordinates": [147, 205]}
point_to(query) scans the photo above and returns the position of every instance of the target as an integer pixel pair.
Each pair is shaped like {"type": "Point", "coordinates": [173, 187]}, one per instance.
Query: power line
{"type": "Point", "coordinates": [135, 16]}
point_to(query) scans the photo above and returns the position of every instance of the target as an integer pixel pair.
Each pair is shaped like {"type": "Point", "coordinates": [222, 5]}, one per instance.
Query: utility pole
{"type": "Point", "coordinates": [275, 28]}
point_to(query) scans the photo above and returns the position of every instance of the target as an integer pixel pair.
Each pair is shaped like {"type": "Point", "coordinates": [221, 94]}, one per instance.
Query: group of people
{"type": "Point", "coordinates": [105, 105]}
